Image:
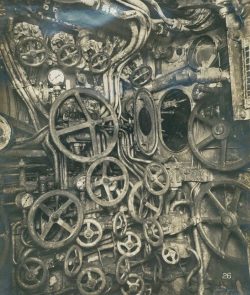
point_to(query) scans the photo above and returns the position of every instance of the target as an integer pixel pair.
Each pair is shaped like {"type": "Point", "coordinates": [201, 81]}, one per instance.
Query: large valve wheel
{"type": "Point", "coordinates": [156, 179]}
{"type": "Point", "coordinates": [69, 55]}
{"type": "Point", "coordinates": [55, 219]}
{"type": "Point", "coordinates": [120, 225]}
{"type": "Point", "coordinates": [141, 76]}
{"type": "Point", "coordinates": [215, 138]}
{"type": "Point", "coordinates": [130, 245]}
{"type": "Point", "coordinates": [107, 181]}
{"type": "Point", "coordinates": [83, 125]}
{"type": "Point", "coordinates": [90, 234]}
{"type": "Point", "coordinates": [222, 210]}
{"type": "Point", "coordinates": [91, 281]}
{"type": "Point", "coordinates": [134, 285]}
{"type": "Point", "coordinates": [153, 232]}
{"type": "Point", "coordinates": [32, 51]}
{"type": "Point", "coordinates": [73, 261]}
{"type": "Point", "coordinates": [142, 204]}
{"type": "Point", "coordinates": [99, 63]}
{"type": "Point", "coordinates": [123, 269]}
{"type": "Point", "coordinates": [31, 273]}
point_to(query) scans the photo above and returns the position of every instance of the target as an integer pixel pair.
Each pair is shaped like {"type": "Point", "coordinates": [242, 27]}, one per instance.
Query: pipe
{"type": "Point", "coordinates": [17, 85]}
{"type": "Point", "coordinates": [36, 139]}
{"type": "Point", "coordinates": [25, 83]}
{"type": "Point", "coordinates": [188, 76]}
{"type": "Point", "coordinates": [55, 158]}
{"type": "Point", "coordinates": [173, 24]}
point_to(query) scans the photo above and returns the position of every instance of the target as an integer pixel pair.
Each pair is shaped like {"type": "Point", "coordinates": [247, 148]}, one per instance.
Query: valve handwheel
{"type": "Point", "coordinates": [120, 225]}
{"type": "Point", "coordinates": [90, 234]}
{"type": "Point", "coordinates": [73, 261]}
{"type": "Point", "coordinates": [222, 212]}
{"type": "Point", "coordinates": [142, 204]}
{"type": "Point", "coordinates": [123, 269]}
{"type": "Point", "coordinates": [141, 75]}
{"type": "Point", "coordinates": [91, 281]}
{"type": "Point", "coordinates": [99, 63]}
{"type": "Point", "coordinates": [93, 121]}
{"type": "Point", "coordinates": [153, 232]}
{"type": "Point", "coordinates": [69, 55]}
{"type": "Point", "coordinates": [58, 213]}
{"type": "Point", "coordinates": [107, 181]}
{"type": "Point", "coordinates": [134, 285]}
{"type": "Point", "coordinates": [31, 273]}
{"type": "Point", "coordinates": [215, 138]}
{"type": "Point", "coordinates": [156, 179]}
{"type": "Point", "coordinates": [32, 51]}
{"type": "Point", "coordinates": [130, 245]}
{"type": "Point", "coordinates": [170, 255]}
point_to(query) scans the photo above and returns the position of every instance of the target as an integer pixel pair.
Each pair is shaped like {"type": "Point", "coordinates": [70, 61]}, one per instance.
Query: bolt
{"type": "Point", "coordinates": [219, 129]}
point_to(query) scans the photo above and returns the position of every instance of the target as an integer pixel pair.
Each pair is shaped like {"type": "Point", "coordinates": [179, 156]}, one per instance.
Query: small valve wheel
{"type": "Point", "coordinates": [170, 255]}
{"type": "Point", "coordinates": [141, 76]}
{"type": "Point", "coordinates": [91, 281]}
{"type": "Point", "coordinates": [69, 55]}
{"type": "Point", "coordinates": [120, 225]}
{"type": "Point", "coordinates": [99, 63]}
{"type": "Point", "coordinates": [31, 51]}
{"type": "Point", "coordinates": [153, 232]}
{"type": "Point", "coordinates": [156, 179]}
{"type": "Point", "coordinates": [73, 261]}
{"type": "Point", "coordinates": [31, 273]}
{"type": "Point", "coordinates": [90, 234]}
{"type": "Point", "coordinates": [130, 245]}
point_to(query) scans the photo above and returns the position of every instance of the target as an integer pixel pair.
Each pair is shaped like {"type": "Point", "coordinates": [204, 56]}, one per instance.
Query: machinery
{"type": "Point", "coordinates": [124, 147]}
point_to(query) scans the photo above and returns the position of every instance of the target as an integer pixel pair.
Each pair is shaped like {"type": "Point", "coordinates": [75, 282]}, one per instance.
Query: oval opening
{"type": "Point", "coordinates": [175, 112]}
{"type": "Point", "coordinates": [145, 122]}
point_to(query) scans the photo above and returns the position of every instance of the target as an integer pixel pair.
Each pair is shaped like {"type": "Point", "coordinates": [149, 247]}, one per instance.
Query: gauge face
{"type": "Point", "coordinates": [27, 200]}
{"type": "Point", "coordinates": [56, 77]}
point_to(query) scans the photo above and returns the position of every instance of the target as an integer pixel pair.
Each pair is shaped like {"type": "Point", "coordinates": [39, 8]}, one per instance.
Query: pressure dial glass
{"type": "Point", "coordinates": [56, 77]}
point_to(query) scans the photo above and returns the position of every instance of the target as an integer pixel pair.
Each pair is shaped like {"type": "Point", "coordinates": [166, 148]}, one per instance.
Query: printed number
{"type": "Point", "coordinates": [226, 276]}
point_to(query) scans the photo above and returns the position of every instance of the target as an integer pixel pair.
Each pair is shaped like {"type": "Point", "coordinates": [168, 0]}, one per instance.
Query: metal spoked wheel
{"type": "Point", "coordinates": [222, 211]}
{"type": "Point", "coordinates": [104, 188]}
{"type": "Point", "coordinates": [55, 219]}
{"type": "Point", "coordinates": [215, 138]}
{"type": "Point", "coordinates": [90, 234]}
{"type": "Point", "coordinates": [32, 273]}
{"type": "Point", "coordinates": [142, 204]}
{"type": "Point", "coordinates": [81, 121]}
{"type": "Point", "coordinates": [91, 281]}
{"type": "Point", "coordinates": [32, 51]}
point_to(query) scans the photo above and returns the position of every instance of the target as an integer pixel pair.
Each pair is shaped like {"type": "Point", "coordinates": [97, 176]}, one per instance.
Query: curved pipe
{"type": "Point", "coordinates": [195, 269]}
{"type": "Point", "coordinates": [173, 24]}
{"type": "Point", "coordinates": [19, 88]}
{"type": "Point", "coordinates": [36, 139]}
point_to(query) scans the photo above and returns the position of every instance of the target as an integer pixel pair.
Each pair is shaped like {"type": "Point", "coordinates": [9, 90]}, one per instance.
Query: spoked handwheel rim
{"type": "Point", "coordinates": [222, 216]}
{"type": "Point", "coordinates": [55, 217]}
{"type": "Point", "coordinates": [102, 122]}
{"type": "Point", "coordinates": [34, 57]}
{"type": "Point", "coordinates": [114, 188]}
{"type": "Point", "coordinates": [215, 138]}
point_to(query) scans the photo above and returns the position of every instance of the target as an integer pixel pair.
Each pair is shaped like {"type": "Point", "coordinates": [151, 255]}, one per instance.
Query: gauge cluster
{"type": "Point", "coordinates": [124, 147]}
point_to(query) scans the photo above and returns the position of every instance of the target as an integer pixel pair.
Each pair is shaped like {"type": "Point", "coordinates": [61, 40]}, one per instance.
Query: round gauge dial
{"type": "Point", "coordinates": [56, 77]}
{"type": "Point", "coordinates": [24, 200]}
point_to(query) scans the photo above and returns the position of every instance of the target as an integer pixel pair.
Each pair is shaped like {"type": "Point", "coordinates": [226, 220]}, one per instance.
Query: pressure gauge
{"type": "Point", "coordinates": [24, 200]}
{"type": "Point", "coordinates": [56, 77]}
